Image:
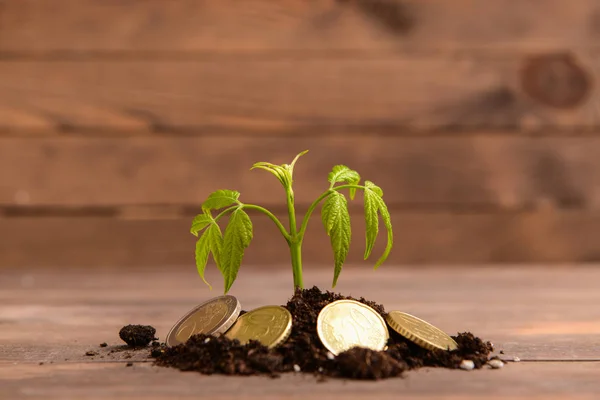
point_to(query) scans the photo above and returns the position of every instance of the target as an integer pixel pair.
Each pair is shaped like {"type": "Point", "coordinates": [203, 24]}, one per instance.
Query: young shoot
{"type": "Point", "coordinates": [227, 249]}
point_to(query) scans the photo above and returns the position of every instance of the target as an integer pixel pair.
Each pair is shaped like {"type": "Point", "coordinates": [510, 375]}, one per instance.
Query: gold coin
{"type": "Point", "coordinates": [211, 317]}
{"type": "Point", "coordinates": [344, 324]}
{"type": "Point", "coordinates": [270, 325]}
{"type": "Point", "coordinates": [420, 332]}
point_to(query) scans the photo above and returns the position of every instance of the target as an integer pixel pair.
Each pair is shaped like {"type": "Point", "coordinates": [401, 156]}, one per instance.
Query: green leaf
{"type": "Point", "coordinates": [290, 167]}
{"type": "Point", "coordinates": [375, 195]}
{"type": "Point", "coordinates": [220, 199]}
{"type": "Point", "coordinates": [341, 173]}
{"type": "Point", "coordinates": [336, 220]}
{"type": "Point", "coordinates": [209, 242]}
{"type": "Point", "coordinates": [200, 222]}
{"type": "Point", "coordinates": [370, 185]}
{"type": "Point", "coordinates": [216, 243]}
{"type": "Point", "coordinates": [281, 172]}
{"type": "Point", "coordinates": [371, 219]}
{"type": "Point", "coordinates": [202, 250]}
{"type": "Point", "coordinates": [387, 221]}
{"type": "Point", "coordinates": [238, 235]}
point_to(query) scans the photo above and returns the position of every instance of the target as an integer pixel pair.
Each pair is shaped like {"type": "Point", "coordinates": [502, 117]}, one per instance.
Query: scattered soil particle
{"type": "Point", "coordinates": [124, 348]}
{"type": "Point", "coordinates": [103, 344]}
{"type": "Point", "coordinates": [303, 351]}
{"type": "Point", "coordinates": [41, 363]}
{"type": "Point", "coordinates": [129, 364]}
{"type": "Point", "coordinates": [495, 363]}
{"type": "Point", "coordinates": [467, 365]}
{"type": "Point", "coordinates": [137, 335]}
{"type": "Point", "coordinates": [91, 353]}
{"type": "Point", "coordinates": [157, 351]}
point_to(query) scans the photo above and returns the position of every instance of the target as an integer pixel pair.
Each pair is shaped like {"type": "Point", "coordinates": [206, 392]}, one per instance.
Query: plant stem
{"type": "Point", "coordinates": [295, 241]}
{"type": "Point", "coordinates": [348, 187]}
{"type": "Point", "coordinates": [225, 211]}
{"type": "Point", "coordinates": [273, 218]}
{"type": "Point", "coordinates": [291, 211]}
{"type": "Point", "coordinates": [296, 253]}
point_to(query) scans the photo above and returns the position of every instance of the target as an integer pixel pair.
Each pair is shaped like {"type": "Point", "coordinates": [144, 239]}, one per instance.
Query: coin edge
{"type": "Point", "coordinates": [236, 312]}
{"type": "Point", "coordinates": [412, 337]}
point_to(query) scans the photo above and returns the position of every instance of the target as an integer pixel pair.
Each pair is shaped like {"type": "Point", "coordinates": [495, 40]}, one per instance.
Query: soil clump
{"type": "Point", "coordinates": [137, 335]}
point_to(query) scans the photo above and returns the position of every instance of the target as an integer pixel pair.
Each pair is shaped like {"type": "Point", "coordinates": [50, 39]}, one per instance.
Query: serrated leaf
{"type": "Point", "coordinates": [216, 244]}
{"type": "Point", "coordinates": [336, 220]}
{"type": "Point", "coordinates": [376, 194]}
{"type": "Point", "coordinates": [341, 173]}
{"type": "Point", "coordinates": [202, 250]}
{"type": "Point", "coordinates": [200, 222]}
{"type": "Point", "coordinates": [236, 239]}
{"type": "Point", "coordinates": [371, 220]}
{"type": "Point", "coordinates": [387, 221]}
{"type": "Point", "coordinates": [374, 187]}
{"type": "Point", "coordinates": [220, 199]}
{"type": "Point", "coordinates": [209, 242]}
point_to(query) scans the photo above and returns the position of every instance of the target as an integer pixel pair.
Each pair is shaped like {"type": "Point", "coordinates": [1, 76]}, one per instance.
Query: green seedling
{"type": "Point", "coordinates": [227, 249]}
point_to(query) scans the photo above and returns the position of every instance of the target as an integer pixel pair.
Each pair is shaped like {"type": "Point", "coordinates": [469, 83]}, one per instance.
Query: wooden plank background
{"type": "Point", "coordinates": [480, 122]}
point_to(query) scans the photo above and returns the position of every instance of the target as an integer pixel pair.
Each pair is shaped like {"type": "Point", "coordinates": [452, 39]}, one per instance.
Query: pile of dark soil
{"type": "Point", "coordinates": [137, 335]}
{"type": "Point", "coordinates": [303, 351]}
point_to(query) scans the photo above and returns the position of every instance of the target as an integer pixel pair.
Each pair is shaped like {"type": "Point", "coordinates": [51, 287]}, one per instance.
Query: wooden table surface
{"type": "Point", "coordinates": [547, 316]}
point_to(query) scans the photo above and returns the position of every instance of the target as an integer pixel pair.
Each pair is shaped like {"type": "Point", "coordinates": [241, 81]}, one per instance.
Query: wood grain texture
{"type": "Point", "coordinates": [55, 316]}
{"type": "Point", "coordinates": [531, 381]}
{"type": "Point", "coordinates": [102, 301]}
{"type": "Point", "coordinates": [480, 172]}
{"type": "Point", "coordinates": [298, 95]}
{"type": "Point", "coordinates": [115, 115]}
{"type": "Point", "coordinates": [420, 238]}
{"type": "Point", "coordinates": [259, 25]}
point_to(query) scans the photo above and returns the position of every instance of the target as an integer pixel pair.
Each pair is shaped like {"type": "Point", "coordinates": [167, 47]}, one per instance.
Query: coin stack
{"type": "Point", "coordinates": [341, 325]}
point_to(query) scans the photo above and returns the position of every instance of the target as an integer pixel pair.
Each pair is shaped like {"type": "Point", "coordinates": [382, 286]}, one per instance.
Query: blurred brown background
{"type": "Point", "coordinates": [478, 119]}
